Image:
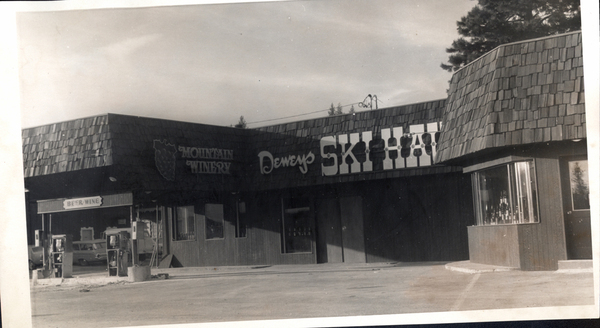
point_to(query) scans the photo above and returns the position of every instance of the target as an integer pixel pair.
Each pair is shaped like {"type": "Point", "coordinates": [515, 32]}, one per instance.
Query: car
{"type": "Point", "coordinates": [36, 256]}
{"type": "Point", "coordinates": [88, 251]}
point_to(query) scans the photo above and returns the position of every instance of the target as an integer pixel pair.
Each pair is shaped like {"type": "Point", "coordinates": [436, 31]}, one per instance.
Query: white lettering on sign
{"type": "Point", "coordinates": [267, 166]}
{"type": "Point", "coordinates": [329, 145]}
{"type": "Point", "coordinates": [209, 167]}
{"type": "Point", "coordinates": [206, 153]}
{"type": "Point", "coordinates": [82, 202]}
{"type": "Point", "coordinates": [413, 149]}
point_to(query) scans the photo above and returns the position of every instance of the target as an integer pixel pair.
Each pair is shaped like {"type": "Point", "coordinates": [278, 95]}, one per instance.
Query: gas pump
{"type": "Point", "coordinates": [61, 256]}
{"type": "Point", "coordinates": [117, 251]}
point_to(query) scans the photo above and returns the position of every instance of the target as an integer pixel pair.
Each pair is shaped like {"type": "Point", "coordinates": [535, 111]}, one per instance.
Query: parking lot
{"type": "Point", "coordinates": [222, 294]}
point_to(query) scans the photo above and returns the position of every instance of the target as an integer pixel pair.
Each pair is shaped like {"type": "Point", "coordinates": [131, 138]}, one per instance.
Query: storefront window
{"type": "Point", "coordinates": [506, 194]}
{"type": "Point", "coordinates": [296, 236]}
{"type": "Point", "coordinates": [184, 227]}
{"type": "Point", "coordinates": [214, 221]}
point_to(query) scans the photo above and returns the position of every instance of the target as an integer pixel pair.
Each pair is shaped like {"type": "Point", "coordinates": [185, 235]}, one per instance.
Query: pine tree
{"type": "Point", "coordinates": [352, 110]}
{"type": "Point", "coordinates": [579, 188]}
{"type": "Point", "coordinates": [242, 123]}
{"type": "Point", "coordinates": [494, 22]}
{"type": "Point", "coordinates": [338, 110]}
{"type": "Point", "coordinates": [331, 111]}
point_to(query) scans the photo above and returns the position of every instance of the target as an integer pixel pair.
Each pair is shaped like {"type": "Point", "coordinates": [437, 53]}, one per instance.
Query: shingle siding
{"type": "Point", "coordinates": [126, 142]}
{"type": "Point", "coordinates": [519, 93]}
{"type": "Point", "coordinates": [68, 146]}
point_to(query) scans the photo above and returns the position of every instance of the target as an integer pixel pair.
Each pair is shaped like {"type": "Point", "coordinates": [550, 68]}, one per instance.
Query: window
{"type": "Point", "coordinates": [214, 221]}
{"type": "Point", "coordinates": [296, 234]}
{"type": "Point", "coordinates": [578, 176]}
{"type": "Point", "coordinates": [184, 227]}
{"type": "Point", "coordinates": [506, 194]}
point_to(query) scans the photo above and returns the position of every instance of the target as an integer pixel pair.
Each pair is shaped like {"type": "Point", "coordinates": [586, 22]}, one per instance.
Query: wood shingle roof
{"type": "Point", "coordinates": [68, 146]}
{"type": "Point", "coordinates": [520, 93]}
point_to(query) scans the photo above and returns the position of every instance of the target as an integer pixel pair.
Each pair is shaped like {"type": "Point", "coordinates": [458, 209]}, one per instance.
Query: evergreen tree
{"type": "Point", "coordinates": [331, 110]}
{"type": "Point", "coordinates": [579, 188]}
{"type": "Point", "coordinates": [338, 110]}
{"type": "Point", "coordinates": [494, 22]}
{"type": "Point", "coordinates": [352, 110]}
{"type": "Point", "coordinates": [242, 123]}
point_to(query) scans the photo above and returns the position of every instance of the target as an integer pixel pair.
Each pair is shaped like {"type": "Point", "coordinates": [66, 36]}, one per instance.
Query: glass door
{"type": "Point", "coordinates": [576, 204]}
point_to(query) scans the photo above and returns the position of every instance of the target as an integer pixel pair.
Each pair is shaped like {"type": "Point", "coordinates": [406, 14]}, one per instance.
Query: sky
{"type": "Point", "coordinates": [212, 63]}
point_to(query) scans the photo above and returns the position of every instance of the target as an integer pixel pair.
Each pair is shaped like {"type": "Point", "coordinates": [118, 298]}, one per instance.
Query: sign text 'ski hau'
{"type": "Point", "coordinates": [354, 152]}
{"type": "Point", "coordinates": [401, 149]}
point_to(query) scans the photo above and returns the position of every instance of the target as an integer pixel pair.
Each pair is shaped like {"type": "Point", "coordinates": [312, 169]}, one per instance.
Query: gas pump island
{"type": "Point", "coordinates": [118, 254]}
{"type": "Point", "coordinates": [121, 246]}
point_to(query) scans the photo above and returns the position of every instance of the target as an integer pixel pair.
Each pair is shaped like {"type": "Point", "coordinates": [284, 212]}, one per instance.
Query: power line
{"type": "Point", "coordinates": [286, 117]}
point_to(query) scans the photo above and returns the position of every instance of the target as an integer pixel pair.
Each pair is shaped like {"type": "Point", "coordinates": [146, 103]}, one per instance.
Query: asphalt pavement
{"type": "Point", "coordinates": [233, 294]}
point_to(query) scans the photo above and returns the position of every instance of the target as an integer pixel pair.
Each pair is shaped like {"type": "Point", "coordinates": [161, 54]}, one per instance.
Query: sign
{"type": "Point", "coordinates": [401, 149]}
{"type": "Point", "coordinates": [208, 167]}
{"type": "Point", "coordinates": [268, 163]}
{"type": "Point", "coordinates": [355, 152]}
{"type": "Point", "coordinates": [76, 203]}
{"type": "Point", "coordinates": [198, 160]}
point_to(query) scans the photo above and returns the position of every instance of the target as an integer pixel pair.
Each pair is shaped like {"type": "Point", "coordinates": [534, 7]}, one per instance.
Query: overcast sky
{"type": "Point", "coordinates": [212, 63]}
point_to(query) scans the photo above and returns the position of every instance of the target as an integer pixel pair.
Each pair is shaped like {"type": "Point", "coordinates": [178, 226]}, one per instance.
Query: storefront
{"type": "Point", "coordinates": [476, 176]}
{"type": "Point", "coordinates": [349, 188]}
{"type": "Point", "coordinates": [515, 121]}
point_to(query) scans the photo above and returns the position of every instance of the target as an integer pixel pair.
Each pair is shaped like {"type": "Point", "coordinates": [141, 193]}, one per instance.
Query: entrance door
{"type": "Point", "coordinates": [340, 235]}
{"type": "Point", "coordinates": [575, 186]}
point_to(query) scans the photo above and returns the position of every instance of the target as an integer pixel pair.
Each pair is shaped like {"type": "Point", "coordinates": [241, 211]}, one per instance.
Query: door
{"type": "Point", "coordinates": [329, 232]}
{"type": "Point", "coordinates": [352, 229]}
{"type": "Point", "coordinates": [340, 235]}
{"type": "Point", "coordinates": [576, 204]}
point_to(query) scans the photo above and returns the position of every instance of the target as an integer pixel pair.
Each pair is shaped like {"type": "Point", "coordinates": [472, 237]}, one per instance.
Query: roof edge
{"type": "Point", "coordinates": [513, 43]}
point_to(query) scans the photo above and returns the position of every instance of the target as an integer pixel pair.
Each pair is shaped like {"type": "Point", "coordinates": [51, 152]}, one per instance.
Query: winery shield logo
{"type": "Point", "coordinates": [164, 156]}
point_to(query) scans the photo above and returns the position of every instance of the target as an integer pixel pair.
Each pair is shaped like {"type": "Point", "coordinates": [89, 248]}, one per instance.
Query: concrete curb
{"type": "Point", "coordinates": [575, 271]}
{"type": "Point", "coordinates": [76, 281]}
{"type": "Point", "coordinates": [473, 268]}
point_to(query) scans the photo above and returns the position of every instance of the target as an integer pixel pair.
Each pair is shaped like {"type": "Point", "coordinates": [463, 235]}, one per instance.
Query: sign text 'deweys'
{"type": "Point", "coordinates": [267, 162]}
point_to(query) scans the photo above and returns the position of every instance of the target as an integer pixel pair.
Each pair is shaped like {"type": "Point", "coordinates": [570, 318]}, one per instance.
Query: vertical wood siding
{"type": "Point", "coordinates": [495, 245]}
{"type": "Point", "coordinates": [418, 219]}
{"type": "Point", "coordinates": [543, 245]}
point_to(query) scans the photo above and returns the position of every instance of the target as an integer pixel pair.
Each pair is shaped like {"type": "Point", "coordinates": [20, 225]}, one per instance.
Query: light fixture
{"type": "Point", "coordinates": [112, 179]}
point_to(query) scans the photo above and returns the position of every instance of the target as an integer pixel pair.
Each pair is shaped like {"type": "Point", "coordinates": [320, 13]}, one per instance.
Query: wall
{"type": "Point", "coordinates": [418, 219]}
{"type": "Point", "coordinates": [405, 220]}
{"type": "Point", "coordinates": [495, 245]}
{"type": "Point", "coordinates": [536, 246]}
{"type": "Point", "coordinates": [261, 246]}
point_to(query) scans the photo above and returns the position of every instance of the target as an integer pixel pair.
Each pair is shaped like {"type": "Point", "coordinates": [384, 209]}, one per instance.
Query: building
{"type": "Point", "coordinates": [385, 185]}
{"type": "Point", "coordinates": [515, 121]}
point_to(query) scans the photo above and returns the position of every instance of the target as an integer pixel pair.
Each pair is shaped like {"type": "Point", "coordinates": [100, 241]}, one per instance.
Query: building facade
{"type": "Point", "coordinates": [515, 121]}
{"type": "Point", "coordinates": [474, 176]}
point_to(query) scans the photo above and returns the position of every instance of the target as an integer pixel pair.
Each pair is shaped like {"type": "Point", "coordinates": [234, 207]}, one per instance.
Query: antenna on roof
{"type": "Point", "coordinates": [370, 103]}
